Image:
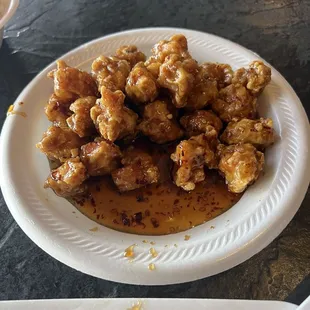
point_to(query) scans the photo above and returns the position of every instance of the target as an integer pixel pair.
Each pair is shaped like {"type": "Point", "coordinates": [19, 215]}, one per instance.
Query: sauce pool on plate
{"type": "Point", "coordinates": [157, 209]}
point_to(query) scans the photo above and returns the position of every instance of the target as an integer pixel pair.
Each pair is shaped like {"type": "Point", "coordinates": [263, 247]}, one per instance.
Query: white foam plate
{"type": "Point", "coordinates": [262, 213]}
{"type": "Point", "coordinates": [145, 304]}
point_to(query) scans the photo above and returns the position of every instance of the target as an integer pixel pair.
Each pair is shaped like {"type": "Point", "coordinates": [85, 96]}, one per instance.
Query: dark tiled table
{"type": "Point", "coordinates": [42, 30]}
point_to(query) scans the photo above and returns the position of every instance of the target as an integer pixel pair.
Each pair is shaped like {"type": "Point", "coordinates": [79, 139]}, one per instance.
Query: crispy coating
{"type": "Point", "coordinates": [141, 86]}
{"type": "Point", "coordinates": [159, 124]}
{"type": "Point", "coordinates": [100, 157]}
{"type": "Point", "coordinates": [255, 78]}
{"type": "Point", "coordinates": [221, 73]}
{"type": "Point", "coordinates": [131, 54]}
{"type": "Point", "coordinates": [71, 83]}
{"type": "Point", "coordinates": [111, 117]}
{"type": "Point", "coordinates": [201, 122]}
{"type": "Point", "coordinates": [177, 44]}
{"type": "Point", "coordinates": [80, 122]}
{"type": "Point", "coordinates": [60, 143]}
{"type": "Point", "coordinates": [177, 74]}
{"type": "Point", "coordinates": [152, 65]}
{"type": "Point", "coordinates": [259, 132]}
{"type": "Point", "coordinates": [138, 171]}
{"type": "Point", "coordinates": [57, 111]}
{"type": "Point", "coordinates": [234, 103]}
{"type": "Point", "coordinates": [67, 180]}
{"type": "Point", "coordinates": [110, 72]}
{"type": "Point", "coordinates": [203, 92]}
{"type": "Point", "coordinates": [241, 165]}
{"type": "Point", "coordinates": [190, 157]}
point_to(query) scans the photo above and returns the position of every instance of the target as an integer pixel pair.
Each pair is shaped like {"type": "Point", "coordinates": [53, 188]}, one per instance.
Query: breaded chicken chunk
{"type": "Point", "coordinates": [131, 54]}
{"type": "Point", "coordinates": [111, 117]}
{"type": "Point", "coordinates": [159, 123]}
{"type": "Point", "coordinates": [100, 157]}
{"type": "Point", "coordinates": [141, 86]}
{"type": "Point", "coordinates": [138, 171]}
{"type": "Point", "coordinates": [80, 121]}
{"type": "Point", "coordinates": [255, 78]}
{"type": "Point", "coordinates": [177, 74]}
{"type": "Point", "coordinates": [71, 83]}
{"type": "Point", "coordinates": [241, 165]}
{"type": "Point", "coordinates": [177, 44]}
{"type": "Point", "coordinates": [234, 103]}
{"type": "Point", "coordinates": [67, 180]}
{"type": "Point", "coordinates": [258, 132]}
{"type": "Point", "coordinates": [60, 143]}
{"type": "Point", "coordinates": [221, 73]}
{"type": "Point", "coordinates": [191, 156]}
{"type": "Point", "coordinates": [57, 111]}
{"type": "Point", "coordinates": [110, 72]}
{"type": "Point", "coordinates": [203, 92]}
{"type": "Point", "coordinates": [201, 121]}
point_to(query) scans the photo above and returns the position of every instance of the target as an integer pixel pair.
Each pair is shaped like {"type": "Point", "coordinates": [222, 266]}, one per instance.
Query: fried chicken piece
{"type": "Point", "coordinates": [255, 78]}
{"type": "Point", "coordinates": [234, 103]}
{"type": "Point", "coordinates": [221, 73]}
{"type": "Point", "coordinates": [152, 65]}
{"type": "Point", "coordinates": [158, 123]}
{"type": "Point", "coordinates": [201, 122]}
{"type": "Point", "coordinates": [57, 111]}
{"type": "Point", "coordinates": [177, 74]}
{"type": "Point", "coordinates": [80, 122]}
{"type": "Point", "coordinates": [190, 157]}
{"type": "Point", "coordinates": [60, 143]}
{"type": "Point", "coordinates": [241, 165]}
{"type": "Point", "coordinates": [141, 86]}
{"type": "Point", "coordinates": [177, 44]}
{"type": "Point", "coordinates": [100, 157]}
{"type": "Point", "coordinates": [131, 54]}
{"type": "Point", "coordinates": [138, 171]}
{"type": "Point", "coordinates": [67, 180]}
{"type": "Point", "coordinates": [111, 117]}
{"type": "Point", "coordinates": [71, 83]}
{"type": "Point", "coordinates": [203, 92]}
{"type": "Point", "coordinates": [259, 132]}
{"type": "Point", "coordinates": [110, 72]}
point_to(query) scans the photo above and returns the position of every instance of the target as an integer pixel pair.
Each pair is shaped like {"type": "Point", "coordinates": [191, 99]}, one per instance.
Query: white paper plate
{"type": "Point", "coordinates": [146, 304]}
{"type": "Point", "coordinates": [262, 213]}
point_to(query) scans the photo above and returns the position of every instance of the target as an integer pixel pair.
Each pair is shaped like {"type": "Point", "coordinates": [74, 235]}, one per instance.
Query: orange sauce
{"type": "Point", "coordinates": [157, 209]}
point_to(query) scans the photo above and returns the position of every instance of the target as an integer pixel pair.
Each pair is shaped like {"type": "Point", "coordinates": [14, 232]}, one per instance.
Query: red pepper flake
{"type": "Point", "coordinates": [92, 201]}
{"type": "Point", "coordinates": [154, 222]}
{"type": "Point", "coordinates": [137, 217]}
{"type": "Point", "coordinates": [176, 201]}
{"type": "Point", "coordinates": [125, 220]}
